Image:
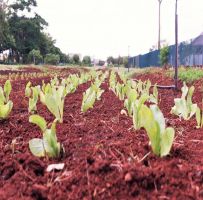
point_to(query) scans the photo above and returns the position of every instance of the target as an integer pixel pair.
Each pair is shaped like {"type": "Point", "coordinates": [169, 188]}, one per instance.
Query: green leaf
{"type": "Point", "coordinates": [193, 109]}
{"type": "Point", "coordinates": [33, 100]}
{"type": "Point", "coordinates": [7, 90]}
{"type": "Point", "coordinates": [153, 121]}
{"type": "Point", "coordinates": [152, 128]}
{"type": "Point", "coordinates": [52, 147]}
{"type": "Point", "coordinates": [189, 95]}
{"type": "Point", "coordinates": [159, 117]}
{"type": "Point", "coordinates": [89, 97]}
{"type": "Point", "coordinates": [42, 98]}
{"type": "Point", "coordinates": [198, 117]}
{"type": "Point", "coordinates": [28, 91]}
{"type": "Point", "coordinates": [2, 97]}
{"type": "Point", "coordinates": [184, 90]}
{"type": "Point", "coordinates": [5, 110]}
{"type": "Point", "coordinates": [167, 141]}
{"type": "Point", "coordinates": [52, 105]}
{"type": "Point", "coordinates": [37, 148]}
{"type": "Point", "coordinates": [136, 110]}
{"type": "Point", "coordinates": [39, 121]}
{"type": "Point", "coordinates": [131, 98]}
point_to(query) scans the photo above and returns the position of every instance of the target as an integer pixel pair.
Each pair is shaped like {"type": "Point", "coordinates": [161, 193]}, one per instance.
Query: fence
{"type": "Point", "coordinates": [189, 54]}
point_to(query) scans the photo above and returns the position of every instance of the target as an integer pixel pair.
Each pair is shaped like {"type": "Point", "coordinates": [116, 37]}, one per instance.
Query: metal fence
{"type": "Point", "coordinates": [189, 54]}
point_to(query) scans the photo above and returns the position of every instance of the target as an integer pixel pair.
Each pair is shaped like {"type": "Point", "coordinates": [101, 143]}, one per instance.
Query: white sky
{"type": "Point", "coordinates": [101, 28]}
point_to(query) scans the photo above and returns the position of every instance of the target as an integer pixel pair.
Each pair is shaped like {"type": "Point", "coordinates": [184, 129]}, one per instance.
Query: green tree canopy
{"type": "Point", "coordinates": [86, 60]}
{"type": "Point", "coordinates": [35, 56]}
{"type": "Point", "coordinates": [22, 32]}
{"type": "Point", "coordinates": [76, 59]}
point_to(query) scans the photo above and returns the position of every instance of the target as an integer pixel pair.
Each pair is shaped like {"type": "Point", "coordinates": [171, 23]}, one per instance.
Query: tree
{"type": "Point", "coordinates": [110, 60]}
{"type": "Point", "coordinates": [76, 59]}
{"type": "Point", "coordinates": [52, 59]}
{"type": "Point", "coordinates": [21, 34]}
{"type": "Point", "coordinates": [6, 39]}
{"type": "Point", "coordinates": [164, 56]}
{"type": "Point", "coordinates": [35, 56]}
{"type": "Point", "coordinates": [86, 60]}
{"type": "Point", "coordinates": [64, 58]}
{"type": "Point", "coordinates": [125, 61]}
{"type": "Point", "coordinates": [22, 5]}
{"type": "Point", "coordinates": [27, 31]}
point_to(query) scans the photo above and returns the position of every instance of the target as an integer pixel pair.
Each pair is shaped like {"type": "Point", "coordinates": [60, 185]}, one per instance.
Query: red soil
{"type": "Point", "coordinates": [104, 157]}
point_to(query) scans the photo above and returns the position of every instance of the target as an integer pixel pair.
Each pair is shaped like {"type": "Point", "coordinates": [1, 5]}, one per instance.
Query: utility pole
{"type": "Point", "coordinates": [159, 31]}
{"type": "Point", "coordinates": [176, 46]}
{"type": "Point", "coordinates": [128, 57]}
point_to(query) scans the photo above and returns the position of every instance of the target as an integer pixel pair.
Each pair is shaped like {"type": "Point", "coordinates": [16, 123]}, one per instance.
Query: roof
{"type": "Point", "coordinates": [198, 40]}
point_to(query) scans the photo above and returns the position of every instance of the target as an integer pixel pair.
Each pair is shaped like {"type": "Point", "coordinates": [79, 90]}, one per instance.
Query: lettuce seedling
{"type": "Point", "coordinates": [7, 89]}
{"type": "Point", "coordinates": [146, 87]}
{"type": "Point", "coordinates": [48, 145]}
{"type": "Point", "coordinates": [112, 81]}
{"type": "Point", "coordinates": [6, 105]}
{"type": "Point", "coordinates": [98, 91]}
{"type": "Point", "coordinates": [5, 109]}
{"type": "Point", "coordinates": [183, 106]}
{"type": "Point", "coordinates": [136, 111]}
{"type": "Point", "coordinates": [153, 98]}
{"type": "Point", "coordinates": [32, 106]}
{"type": "Point", "coordinates": [129, 102]}
{"type": "Point", "coordinates": [55, 102]}
{"type": "Point", "coordinates": [28, 90]}
{"type": "Point", "coordinates": [161, 138]}
{"type": "Point", "coordinates": [199, 117]}
{"type": "Point", "coordinates": [120, 91]}
{"type": "Point", "coordinates": [89, 98]}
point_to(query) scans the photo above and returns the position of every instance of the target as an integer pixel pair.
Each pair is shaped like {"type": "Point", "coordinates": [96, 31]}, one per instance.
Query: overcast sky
{"type": "Point", "coordinates": [101, 28]}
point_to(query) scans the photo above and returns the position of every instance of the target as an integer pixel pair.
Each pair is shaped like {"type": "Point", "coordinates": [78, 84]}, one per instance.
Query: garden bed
{"type": "Point", "coordinates": [105, 158]}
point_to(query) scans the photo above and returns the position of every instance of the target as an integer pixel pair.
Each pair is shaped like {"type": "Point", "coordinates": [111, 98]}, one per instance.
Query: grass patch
{"type": "Point", "coordinates": [188, 75]}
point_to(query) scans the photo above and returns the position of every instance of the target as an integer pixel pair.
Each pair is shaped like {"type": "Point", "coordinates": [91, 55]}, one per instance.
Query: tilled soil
{"type": "Point", "coordinates": [105, 158]}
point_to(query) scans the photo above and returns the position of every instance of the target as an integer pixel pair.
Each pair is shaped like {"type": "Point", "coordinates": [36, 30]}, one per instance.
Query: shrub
{"type": "Point", "coordinates": [76, 59]}
{"type": "Point", "coordinates": [52, 59]}
{"type": "Point", "coordinates": [86, 60]}
{"type": "Point", "coordinates": [164, 54]}
{"type": "Point", "coordinates": [35, 56]}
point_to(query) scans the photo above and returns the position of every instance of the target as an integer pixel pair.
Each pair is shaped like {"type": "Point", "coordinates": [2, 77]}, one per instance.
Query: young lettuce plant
{"type": "Point", "coordinates": [199, 117]}
{"type": "Point", "coordinates": [32, 106]}
{"type": "Point", "coordinates": [146, 87]}
{"type": "Point", "coordinates": [48, 145]}
{"type": "Point", "coordinates": [6, 105]}
{"type": "Point", "coordinates": [54, 101]}
{"type": "Point", "coordinates": [28, 90]}
{"type": "Point", "coordinates": [89, 97]}
{"type": "Point", "coordinates": [137, 105]}
{"type": "Point", "coordinates": [98, 91]}
{"type": "Point", "coordinates": [120, 91]}
{"type": "Point", "coordinates": [129, 102]}
{"type": "Point", "coordinates": [161, 138]}
{"type": "Point", "coordinates": [153, 98]}
{"type": "Point", "coordinates": [112, 81]}
{"type": "Point", "coordinates": [183, 106]}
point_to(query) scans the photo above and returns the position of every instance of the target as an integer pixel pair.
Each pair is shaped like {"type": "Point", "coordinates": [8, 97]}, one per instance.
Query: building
{"type": "Point", "coordinates": [190, 53]}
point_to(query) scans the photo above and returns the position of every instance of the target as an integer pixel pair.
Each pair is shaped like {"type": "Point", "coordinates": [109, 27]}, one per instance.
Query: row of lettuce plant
{"type": "Point", "coordinates": [52, 95]}
{"type": "Point", "coordinates": [93, 93]}
{"type": "Point", "coordinates": [135, 94]}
